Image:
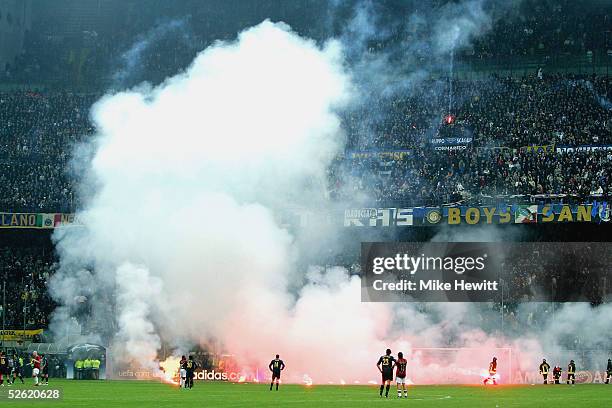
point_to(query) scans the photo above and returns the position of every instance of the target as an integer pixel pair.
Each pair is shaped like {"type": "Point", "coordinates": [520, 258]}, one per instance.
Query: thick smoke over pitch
{"type": "Point", "coordinates": [428, 38]}
{"type": "Point", "coordinates": [181, 244]}
{"type": "Point", "coordinates": [191, 173]}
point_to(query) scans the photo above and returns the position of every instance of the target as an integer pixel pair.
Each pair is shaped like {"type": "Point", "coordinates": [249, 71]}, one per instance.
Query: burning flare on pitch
{"type": "Point", "coordinates": [490, 379]}
{"type": "Point", "coordinates": [169, 370]}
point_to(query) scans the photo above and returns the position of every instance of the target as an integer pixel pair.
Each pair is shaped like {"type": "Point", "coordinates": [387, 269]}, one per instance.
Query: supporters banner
{"type": "Point", "coordinates": [511, 214]}
{"type": "Point", "coordinates": [595, 212]}
{"type": "Point", "coordinates": [380, 154]}
{"type": "Point", "coordinates": [451, 143]}
{"type": "Point", "coordinates": [478, 215]}
{"type": "Point", "coordinates": [64, 220]}
{"type": "Point", "coordinates": [374, 217]}
{"type": "Point", "coordinates": [378, 217]}
{"type": "Point", "coordinates": [583, 148]}
{"type": "Point", "coordinates": [35, 220]}
{"type": "Point", "coordinates": [526, 214]}
{"type": "Point", "coordinates": [521, 214]}
{"type": "Point", "coordinates": [550, 148]}
{"type": "Point", "coordinates": [19, 335]}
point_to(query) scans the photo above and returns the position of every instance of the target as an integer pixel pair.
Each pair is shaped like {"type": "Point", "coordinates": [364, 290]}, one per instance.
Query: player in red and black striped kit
{"type": "Point", "coordinates": [492, 378]}
{"type": "Point", "coordinates": [35, 363]}
{"type": "Point", "coordinates": [183, 372]}
{"type": "Point", "coordinates": [400, 375]}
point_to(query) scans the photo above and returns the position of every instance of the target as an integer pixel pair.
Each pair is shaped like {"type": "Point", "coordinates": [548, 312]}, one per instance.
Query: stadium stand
{"type": "Point", "coordinates": [26, 271]}
{"type": "Point", "coordinates": [522, 135]}
{"type": "Point", "coordinates": [523, 138]}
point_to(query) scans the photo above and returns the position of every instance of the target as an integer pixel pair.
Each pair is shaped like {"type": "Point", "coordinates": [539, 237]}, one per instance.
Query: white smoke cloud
{"type": "Point", "coordinates": [137, 337]}
{"type": "Point", "coordinates": [181, 233]}
{"type": "Point", "coordinates": [460, 23]}
{"type": "Point", "coordinates": [181, 243]}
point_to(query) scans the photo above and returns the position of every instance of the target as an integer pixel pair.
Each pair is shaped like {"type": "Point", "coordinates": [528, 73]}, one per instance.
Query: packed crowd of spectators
{"type": "Point", "coordinates": [509, 134]}
{"type": "Point", "coordinates": [25, 272]}
{"type": "Point", "coordinates": [512, 133]}
{"type": "Point", "coordinates": [37, 135]}
{"type": "Point", "coordinates": [561, 26]}
{"type": "Point", "coordinates": [510, 112]}
{"type": "Point", "coordinates": [435, 178]}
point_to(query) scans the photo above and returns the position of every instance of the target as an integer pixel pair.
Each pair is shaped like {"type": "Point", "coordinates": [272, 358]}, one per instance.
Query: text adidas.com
{"type": "Point", "coordinates": [213, 375]}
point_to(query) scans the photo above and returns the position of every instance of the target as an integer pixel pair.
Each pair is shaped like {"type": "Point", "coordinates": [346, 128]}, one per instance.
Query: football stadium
{"type": "Point", "coordinates": [306, 203]}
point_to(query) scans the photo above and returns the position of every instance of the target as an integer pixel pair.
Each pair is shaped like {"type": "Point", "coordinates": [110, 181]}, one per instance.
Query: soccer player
{"type": "Point", "coordinates": [544, 368]}
{"type": "Point", "coordinates": [276, 366]}
{"type": "Point", "coordinates": [400, 375]}
{"type": "Point", "coordinates": [10, 362]}
{"type": "Point", "coordinates": [190, 368]}
{"type": "Point", "coordinates": [183, 372]}
{"type": "Point", "coordinates": [3, 369]}
{"type": "Point", "coordinates": [385, 366]}
{"type": "Point", "coordinates": [571, 372]}
{"type": "Point", "coordinates": [18, 371]}
{"type": "Point", "coordinates": [609, 371]}
{"type": "Point", "coordinates": [44, 363]}
{"type": "Point", "coordinates": [35, 363]}
{"type": "Point", "coordinates": [492, 372]}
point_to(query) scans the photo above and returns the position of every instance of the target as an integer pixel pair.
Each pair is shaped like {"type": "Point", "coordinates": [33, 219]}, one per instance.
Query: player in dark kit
{"type": "Point", "coordinates": [571, 372]}
{"type": "Point", "coordinates": [544, 369]}
{"type": "Point", "coordinates": [385, 366]}
{"type": "Point", "coordinates": [400, 375]}
{"type": "Point", "coordinates": [18, 371]}
{"type": "Point", "coordinates": [190, 367]}
{"type": "Point", "coordinates": [45, 370]}
{"type": "Point", "coordinates": [10, 369]}
{"type": "Point", "coordinates": [276, 366]}
{"type": "Point", "coordinates": [3, 369]}
{"type": "Point", "coordinates": [609, 371]}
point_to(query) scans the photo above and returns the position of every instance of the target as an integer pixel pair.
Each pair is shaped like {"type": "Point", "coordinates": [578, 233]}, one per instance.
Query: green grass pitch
{"type": "Point", "coordinates": [107, 394]}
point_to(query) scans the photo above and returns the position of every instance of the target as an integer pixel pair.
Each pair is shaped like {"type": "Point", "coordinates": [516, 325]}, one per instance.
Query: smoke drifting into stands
{"type": "Point", "coordinates": [181, 245]}
{"type": "Point", "coordinates": [180, 235]}
{"type": "Point", "coordinates": [131, 62]}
